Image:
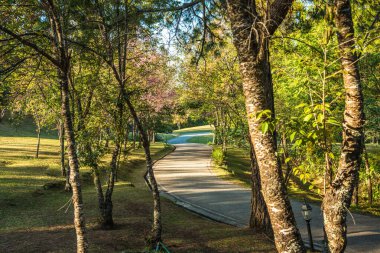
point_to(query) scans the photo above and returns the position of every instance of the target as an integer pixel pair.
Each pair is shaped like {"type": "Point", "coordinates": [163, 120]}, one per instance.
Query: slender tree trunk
{"type": "Point", "coordinates": [251, 42]}
{"type": "Point", "coordinates": [68, 184]}
{"type": "Point", "coordinates": [126, 139]}
{"type": "Point", "coordinates": [355, 196]}
{"type": "Point", "coordinates": [369, 176]}
{"type": "Point", "coordinates": [156, 226]}
{"type": "Point", "coordinates": [108, 206]}
{"type": "Point", "coordinates": [134, 134]}
{"type": "Point", "coordinates": [62, 147]}
{"type": "Point", "coordinates": [99, 193]}
{"type": "Point", "coordinates": [38, 139]}
{"type": "Point", "coordinates": [338, 197]}
{"type": "Point", "coordinates": [259, 219]}
{"type": "Point", "coordinates": [285, 156]}
{"type": "Point", "coordinates": [2, 114]}
{"type": "Point", "coordinates": [79, 220]}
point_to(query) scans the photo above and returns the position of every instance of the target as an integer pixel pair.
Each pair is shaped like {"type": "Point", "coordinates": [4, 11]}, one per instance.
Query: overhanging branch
{"type": "Point", "coordinates": [31, 45]}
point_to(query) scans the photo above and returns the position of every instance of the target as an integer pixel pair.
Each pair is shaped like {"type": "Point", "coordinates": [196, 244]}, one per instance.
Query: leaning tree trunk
{"type": "Point", "coordinates": [259, 220]}
{"type": "Point", "coordinates": [38, 139]}
{"type": "Point", "coordinates": [251, 40]}
{"type": "Point", "coordinates": [79, 220]}
{"type": "Point", "coordinates": [157, 226]}
{"type": "Point", "coordinates": [338, 197]}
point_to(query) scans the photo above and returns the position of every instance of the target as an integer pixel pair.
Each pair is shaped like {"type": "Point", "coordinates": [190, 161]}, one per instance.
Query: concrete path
{"type": "Point", "coordinates": [185, 177]}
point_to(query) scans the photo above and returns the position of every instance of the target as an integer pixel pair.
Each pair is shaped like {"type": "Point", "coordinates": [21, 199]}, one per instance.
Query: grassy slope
{"type": "Point", "coordinates": [237, 168]}
{"type": "Point", "coordinates": [204, 139]}
{"type": "Point", "coordinates": [38, 220]}
{"type": "Point", "coordinates": [205, 128]}
{"type": "Point", "coordinates": [190, 130]}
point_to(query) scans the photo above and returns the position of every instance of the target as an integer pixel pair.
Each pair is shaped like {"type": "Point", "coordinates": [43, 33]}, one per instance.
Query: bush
{"type": "Point", "coordinates": [218, 156]}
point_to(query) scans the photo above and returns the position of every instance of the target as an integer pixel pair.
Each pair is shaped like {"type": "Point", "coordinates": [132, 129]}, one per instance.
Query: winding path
{"type": "Point", "coordinates": [185, 176]}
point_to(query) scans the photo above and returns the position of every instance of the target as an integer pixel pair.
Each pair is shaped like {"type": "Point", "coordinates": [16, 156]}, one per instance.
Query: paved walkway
{"type": "Point", "coordinates": [185, 177]}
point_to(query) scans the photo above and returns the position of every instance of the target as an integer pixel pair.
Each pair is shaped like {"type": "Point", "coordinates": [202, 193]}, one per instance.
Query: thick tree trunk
{"type": "Point", "coordinates": [156, 226]}
{"type": "Point", "coordinates": [259, 220]}
{"type": "Point", "coordinates": [79, 220]}
{"type": "Point", "coordinates": [338, 197]}
{"type": "Point", "coordinates": [251, 42]}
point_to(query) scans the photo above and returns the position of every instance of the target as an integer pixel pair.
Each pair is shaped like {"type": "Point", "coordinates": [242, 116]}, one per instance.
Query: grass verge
{"type": "Point", "coordinates": [41, 220]}
{"type": "Point", "coordinates": [237, 168]}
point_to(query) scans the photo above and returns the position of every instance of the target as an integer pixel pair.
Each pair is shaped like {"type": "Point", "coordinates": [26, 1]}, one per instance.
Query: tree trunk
{"type": "Point", "coordinates": [133, 134]}
{"type": "Point", "coordinates": [259, 219]}
{"type": "Point", "coordinates": [285, 156]}
{"type": "Point", "coordinates": [67, 184]}
{"type": "Point", "coordinates": [156, 226]}
{"type": "Point", "coordinates": [38, 139]}
{"type": "Point", "coordinates": [108, 206]}
{"type": "Point", "coordinates": [369, 176]}
{"type": "Point", "coordinates": [99, 193]}
{"type": "Point", "coordinates": [355, 196]}
{"type": "Point", "coordinates": [126, 139]}
{"type": "Point", "coordinates": [338, 197]}
{"type": "Point", "coordinates": [62, 147]}
{"type": "Point", "coordinates": [79, 220]}
{"type": "Point", "coordinates": [251, 42]}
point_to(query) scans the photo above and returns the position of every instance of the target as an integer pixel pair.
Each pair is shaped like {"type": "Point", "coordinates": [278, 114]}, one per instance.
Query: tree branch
{"type": "Point", "coordinates": [174, 8]}
{"type": "Point", "coordinates": [31, 45]}
{"type": "Point", "coordinates": [277, 13]}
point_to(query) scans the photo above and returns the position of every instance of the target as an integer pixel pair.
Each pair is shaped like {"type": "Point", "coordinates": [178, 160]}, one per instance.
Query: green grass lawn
{"type": "Point", "coordinates": [203, 139]}
{"type": "Point", "coordinates": [36, 220]}
{"type": "Point", "coordinates": [163, 137]}
{"type": "Point", "coordinates": [198, 129]}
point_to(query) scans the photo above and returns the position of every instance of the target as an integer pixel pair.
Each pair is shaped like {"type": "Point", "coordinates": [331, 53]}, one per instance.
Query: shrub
{"type": "Point", "coordinates": [218, 156]}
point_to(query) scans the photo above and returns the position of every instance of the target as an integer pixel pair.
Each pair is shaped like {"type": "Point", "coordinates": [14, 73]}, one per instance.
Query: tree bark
{"type": "Point", "coordinates": [108, 205]}
{"type": "Point", "coordinates": [79, 220]}
{"type": "Point", "coordinates": [251, 40]}
{"type": "Point", "coordinates": [156, 226]}
{"type": "Point", "coordinates": [259, 220]}
{"type": "Point", "coordinates": [338, 196]}
{"type": "Point", "coordinates": [62, 147]}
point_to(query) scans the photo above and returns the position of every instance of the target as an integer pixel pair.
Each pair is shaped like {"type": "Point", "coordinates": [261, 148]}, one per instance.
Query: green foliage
{"type": "Point", "coordinates": [218, 156]}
